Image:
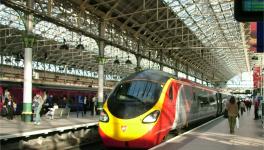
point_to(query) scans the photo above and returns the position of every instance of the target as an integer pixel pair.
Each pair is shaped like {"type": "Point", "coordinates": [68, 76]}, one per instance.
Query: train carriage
{"type": "Point", "coordinates": [144, 107]}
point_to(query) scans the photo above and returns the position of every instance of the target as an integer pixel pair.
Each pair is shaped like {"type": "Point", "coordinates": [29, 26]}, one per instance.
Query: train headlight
{"type": "Point", "coordinates": [152, 117]}
{"type": "Point", "coordinates": [103, 116]}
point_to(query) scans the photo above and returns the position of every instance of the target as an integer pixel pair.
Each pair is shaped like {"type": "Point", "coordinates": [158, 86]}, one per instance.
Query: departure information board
{"type": "Point", "coordinates": [253, 5]}
{"type": "Point", "coordinates": [249, 10]}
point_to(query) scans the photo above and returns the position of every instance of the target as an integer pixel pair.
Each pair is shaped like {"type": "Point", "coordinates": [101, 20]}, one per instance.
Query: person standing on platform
{"type": "Point", "coordinates": [9, 105]}
{"type": "Point", "coordinates": [40, 101]}
{"type": "Point", "coordinates": [79, 106]}
{"type": "Point", "coordinates": [50, 101]}
{"type": "Point", "coordinates": [93, 104]}
{"type": "Point", "coordinates": [7, 93]}
{"type": "Point", "coordinates": [35, 104]}
{"type": "Point", "coordinates": [85, 105]}
{"type": "Point", "coordinates": [232, 109]}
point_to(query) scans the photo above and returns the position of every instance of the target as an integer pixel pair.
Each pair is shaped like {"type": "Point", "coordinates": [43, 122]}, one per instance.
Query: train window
{"type": "Point", "coordinates": [188, 93]}
{"type": "Point", "coordinates": [133, 98]}
{"type": "Point", "coordinates": [212, 99]}
{"type": "Point", "coordinates": [171, 93]}
{"type": "Point", "coordinates": [202, 97]}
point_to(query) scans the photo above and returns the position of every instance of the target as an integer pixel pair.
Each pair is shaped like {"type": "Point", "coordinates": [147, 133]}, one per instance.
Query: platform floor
{"type": "Point", "coordinates": [215, 136]}
{"type": "Point", "coordinates": [17, 128]}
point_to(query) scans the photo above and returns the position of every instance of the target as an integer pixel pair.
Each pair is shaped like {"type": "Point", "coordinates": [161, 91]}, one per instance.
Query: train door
{"type": "Point", "coordinates": [202, 97]}
{"type": "Point", "coordinates": [212, 108]}
{"type": "Point", "coordinates": [188, 102]}
{"type": "Point", "coordinates": [182, 108]}
{"type": "Point", "coordinates": [175, 87]}
{"type": "Point", "coordinates": [195, 104]}
{"type": "Point", "coordinates": [169, 107]}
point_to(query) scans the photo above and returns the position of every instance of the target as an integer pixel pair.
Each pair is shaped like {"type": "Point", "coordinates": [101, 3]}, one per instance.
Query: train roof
{"type": "Point", "coordinates": [153, 75]}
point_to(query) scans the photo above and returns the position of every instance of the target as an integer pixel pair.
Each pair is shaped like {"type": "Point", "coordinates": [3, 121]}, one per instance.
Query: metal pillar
{"type": "Point", "coordinates": [202, 76]}
{"type": "Point", "coordinates": [28, 41]}
{"type": "Point", "coordinates": [101, 61]}
{"type": "Point", "coordinates": [2, 66]}
{"type": "Point", "coordinates": [187, 72]}
{"type": "Point", "coordinates": [138, 68]}
{"type": "Point", "coordinates": [161, 59]}
{"type": "Point", "coordinates": [176, 70]}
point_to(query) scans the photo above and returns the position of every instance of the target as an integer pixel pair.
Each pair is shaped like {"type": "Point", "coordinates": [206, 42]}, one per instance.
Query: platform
{"type": "Point", "coordinates": [215, 136]}
{"type": "Point", "coordinates": [16, 128]}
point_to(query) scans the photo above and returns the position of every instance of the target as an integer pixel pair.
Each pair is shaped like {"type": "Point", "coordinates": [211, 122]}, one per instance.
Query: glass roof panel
{"type": "Point", "coordinates": [213, 23]}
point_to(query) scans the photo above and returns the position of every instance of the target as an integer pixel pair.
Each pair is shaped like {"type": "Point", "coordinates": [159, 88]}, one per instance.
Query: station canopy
{"type": "Point", "coordinates": [198, 38]}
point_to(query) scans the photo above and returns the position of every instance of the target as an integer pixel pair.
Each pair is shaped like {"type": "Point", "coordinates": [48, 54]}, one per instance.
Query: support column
{"type": "Point", "coordinates": [202, 76]}
{"type": "Point", "coordinates": [138, 68]}
{"type": "Point", "coordinates": [2, 66]}
{"type": "Point", "coordinates": [176, 69]}
{"type": "Point", "coordinates": [138, 58]}
{"type": "Point", "coordinates": [101, 61]}
{"type": "Point", "coordinates": [28, 41]}
{"type": "Point", "coordinates": [161, 59]}
{"type": "Point", "coordinates": [187, 72]}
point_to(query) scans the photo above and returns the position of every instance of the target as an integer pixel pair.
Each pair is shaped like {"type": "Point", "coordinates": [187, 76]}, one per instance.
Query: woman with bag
{"type": "Point", "coordinates": [232, 109]}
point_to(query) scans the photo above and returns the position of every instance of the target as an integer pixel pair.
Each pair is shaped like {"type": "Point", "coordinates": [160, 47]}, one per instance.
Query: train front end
{"type": "Point", "coordinates": [130, 116]}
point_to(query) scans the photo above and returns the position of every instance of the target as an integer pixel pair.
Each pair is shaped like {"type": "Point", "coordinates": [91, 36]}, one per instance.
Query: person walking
{"type": "Point", "coordinates": [242, 108]}
{"type": "Point", "coordinates": [256, 108]}
{"type": "Point", "coordinates": [232, 109]}
{"type": "Point", "coordinates": [238, 105]}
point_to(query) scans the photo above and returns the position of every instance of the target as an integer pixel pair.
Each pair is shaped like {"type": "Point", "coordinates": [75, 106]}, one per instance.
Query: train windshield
{"type": "Point", "coordinates": [133, 98]}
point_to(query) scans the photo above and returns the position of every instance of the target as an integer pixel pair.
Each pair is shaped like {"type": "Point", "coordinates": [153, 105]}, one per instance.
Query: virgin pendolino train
{"type": "Point", "coordinates": [144, 107]}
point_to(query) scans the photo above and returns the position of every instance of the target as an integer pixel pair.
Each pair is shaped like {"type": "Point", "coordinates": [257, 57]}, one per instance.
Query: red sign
{"type": "Point", "coordinates": [256, 77]}
{"type": "Point", "coordinates": [253, 37]}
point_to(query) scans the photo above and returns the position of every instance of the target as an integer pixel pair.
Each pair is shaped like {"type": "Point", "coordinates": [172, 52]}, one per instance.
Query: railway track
{"type": "Point", "coordinates": [98, 145]}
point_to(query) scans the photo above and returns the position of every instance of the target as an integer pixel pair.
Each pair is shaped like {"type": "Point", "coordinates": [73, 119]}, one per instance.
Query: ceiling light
{"type": "Point", "coordinates": [128, 62]}
{"type": "Point", "coordinates": [61, 68]}
{"type": "Point", "coordinates": [8, 60]}
{"type": "Point", "coordinates": [17, 59]}
{"type": "Point", "coordinates": [64, 46]}
{"type": "Point", "coordinates": [116, 61]}
{"type": "Point", "coordinates": [80, 46]}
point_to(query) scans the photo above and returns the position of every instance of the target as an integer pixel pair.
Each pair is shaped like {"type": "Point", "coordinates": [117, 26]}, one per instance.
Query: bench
{"type": "Point", "coordinates": [61, 113]}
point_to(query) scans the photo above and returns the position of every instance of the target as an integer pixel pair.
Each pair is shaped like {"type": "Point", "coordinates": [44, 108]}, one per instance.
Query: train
{"type": "Point", "coordinates": [144, 107]}
{"type": "Point", "coordinates": [57, 92]}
